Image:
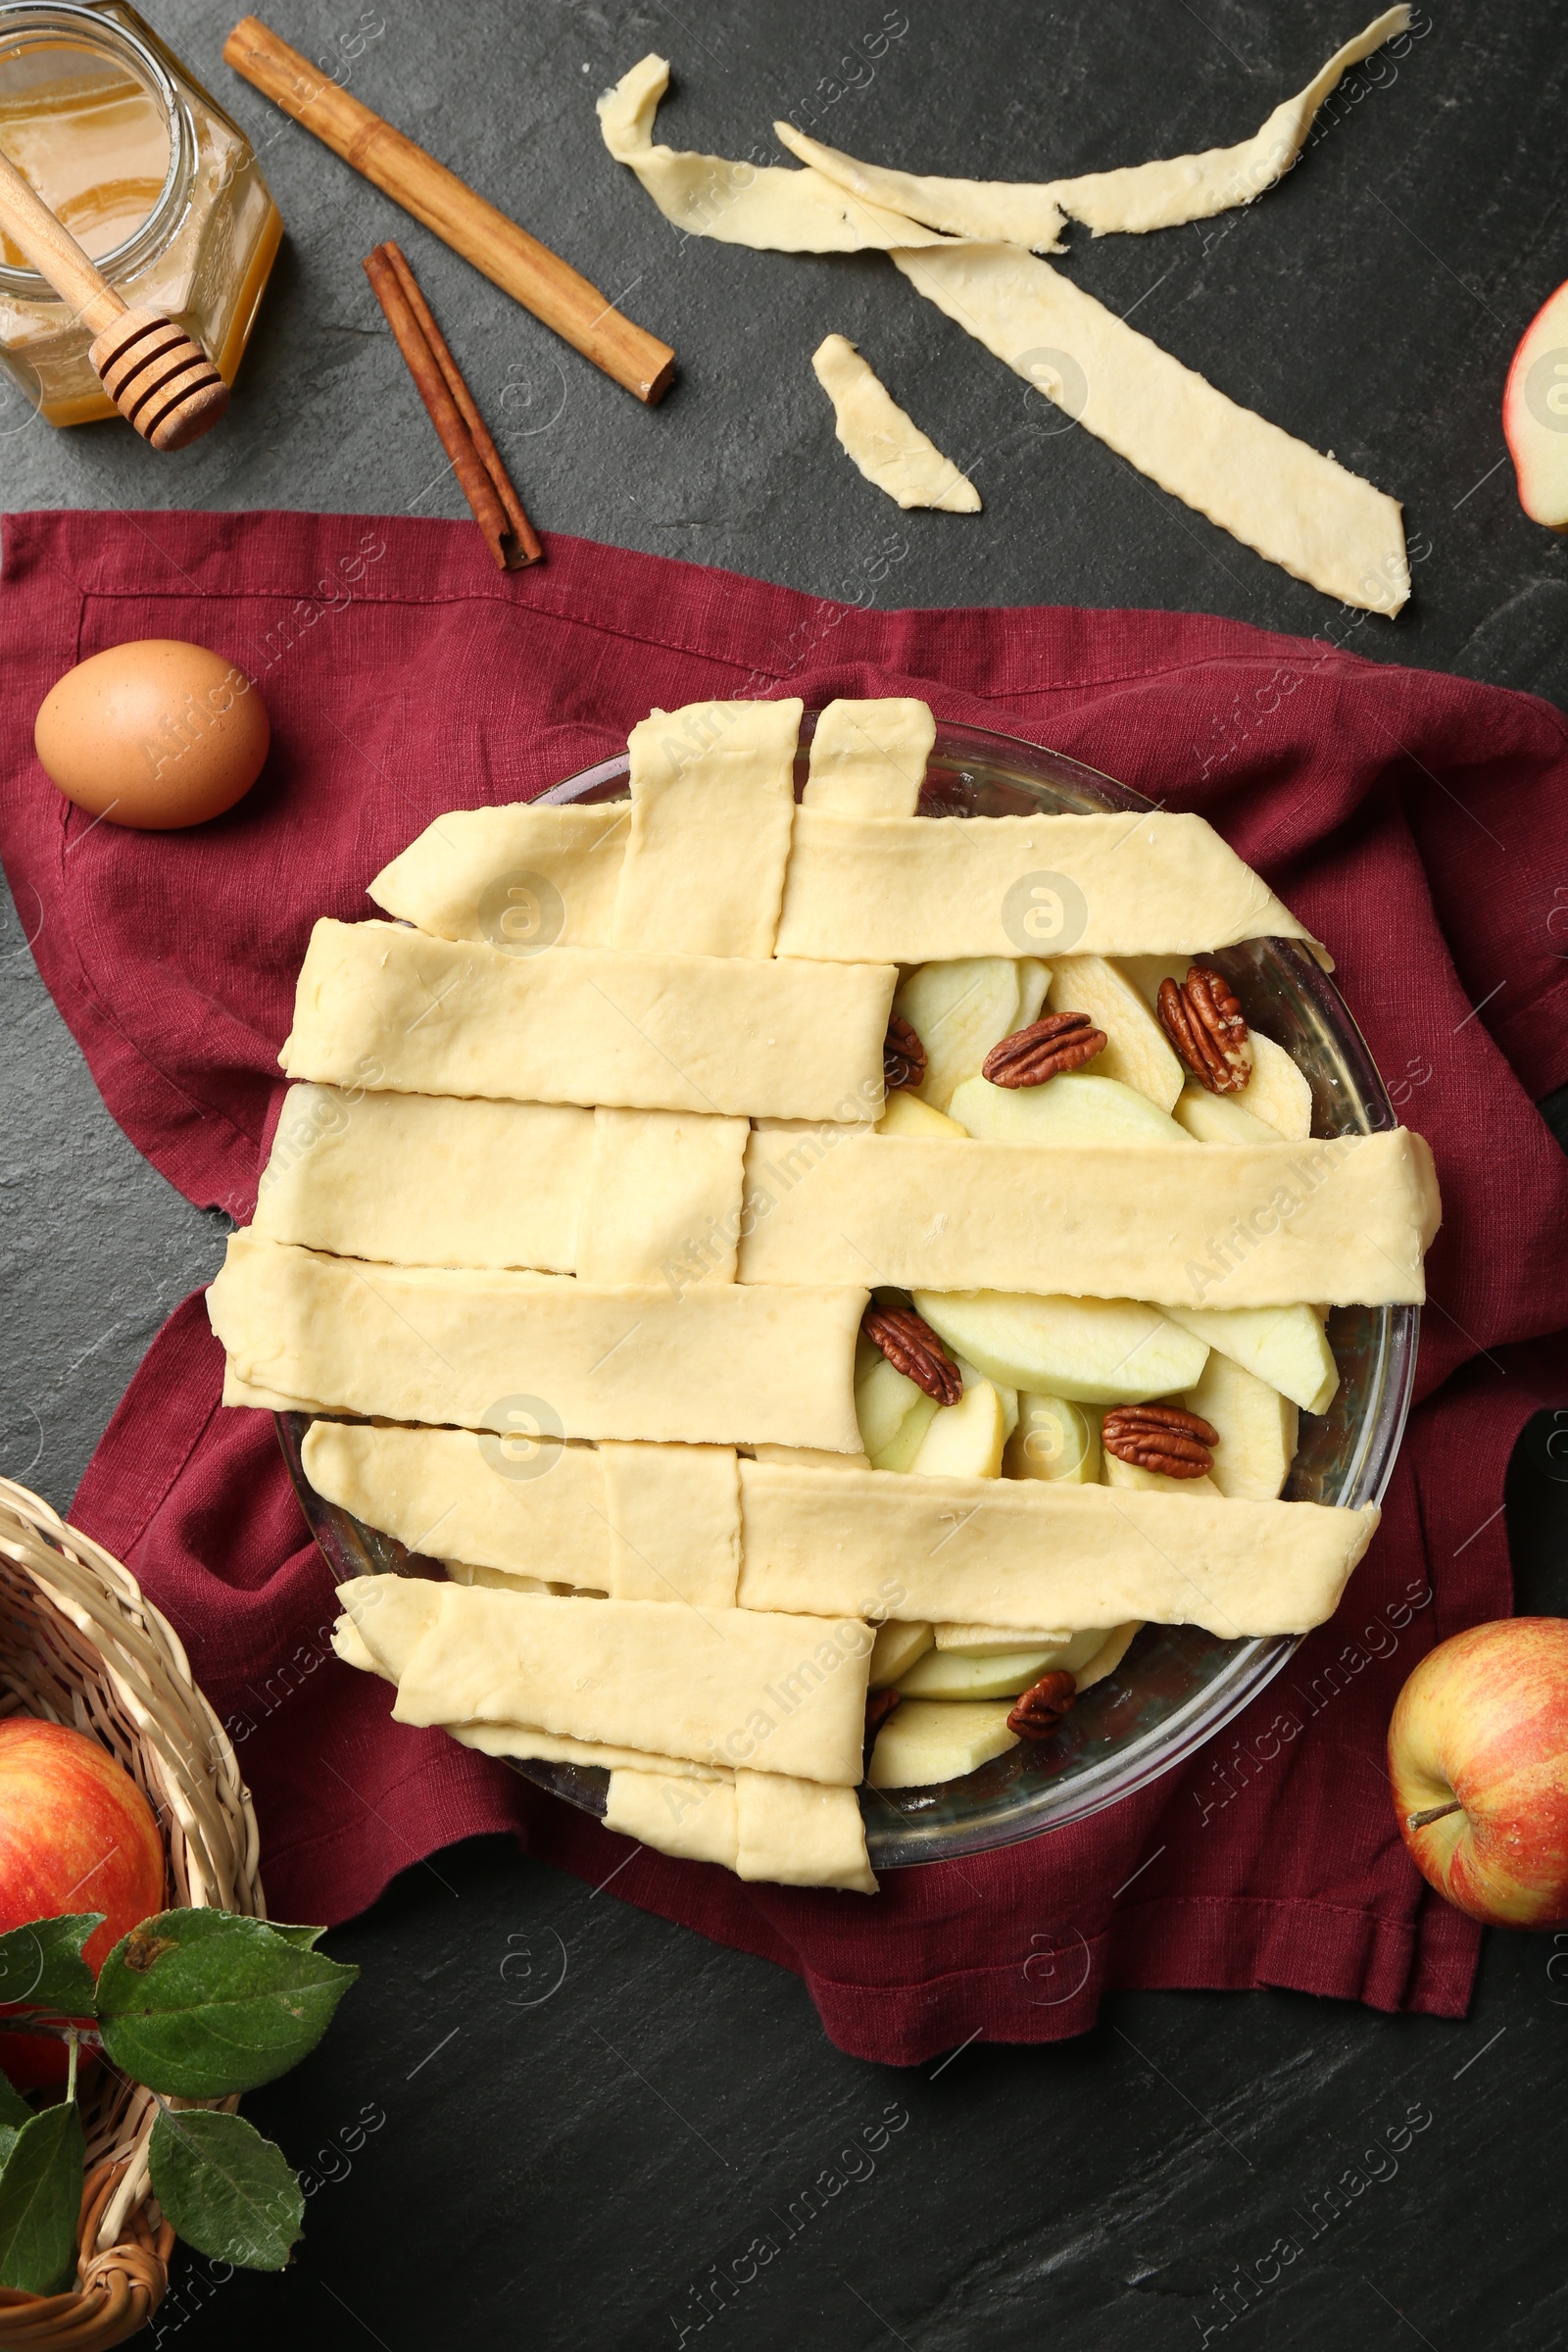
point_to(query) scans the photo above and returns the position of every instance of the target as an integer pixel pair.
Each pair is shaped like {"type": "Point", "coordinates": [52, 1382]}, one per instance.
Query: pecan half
{"type": "Point", "coordinates": [1062, 1041]}
{"type": "Point", "coordinates": [1203, 1017]}
{"type": "Point", "coordinates": [1160, 1437]}
{"type": "Point", "coordinates": [1036, 1715]}
{"type": "Point", "coordinates": [879, 1705]}
{"type": "Point", "coordinates": [903, 1056]}
{"type": "Point", "coordinates": [912, 1347]}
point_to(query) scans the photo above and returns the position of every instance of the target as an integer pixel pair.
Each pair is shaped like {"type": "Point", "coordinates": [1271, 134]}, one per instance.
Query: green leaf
{"type": "Point", "coordinates": [228, 2192]}
{"type": "Point", "coordinates": [40, 2198]}
{"type": "Point", "coordinates": [198, 2003]}
{"type": "Point", "coordinates": [41, 1964]}
{"type": "Point", "coordinates": [306, 1937]}
{"type": "Point", "coordinates": [13, 2108]}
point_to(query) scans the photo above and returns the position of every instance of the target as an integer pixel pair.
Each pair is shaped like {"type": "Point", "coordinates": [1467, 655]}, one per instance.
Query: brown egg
{"type": "Point", "coordinates": [153, 734]}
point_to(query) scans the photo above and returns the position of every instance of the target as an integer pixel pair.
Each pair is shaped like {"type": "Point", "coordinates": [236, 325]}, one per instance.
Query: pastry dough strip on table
{"type": "Point", "coordinates": [779, 1691]}
{"type": "Point", "coordinates": [762, 1824]}
{"type": "Point", "coordinates": [735, 1036]}
{"type": "Point", "coordinates": [1296, 507]}
{"type": "Point", "coordinates": [1024, 1553]}
{"type": "Point", "coordinates": [720, 1365]}
{"type": "Point", "coordinates": [1341, 1220]}
{"type": "Point", "coordinates": [906, 889]}
{"type": "Point", "coordinates": [712, 800]}
{"type": "Point", "coordinates": [1135, 198]}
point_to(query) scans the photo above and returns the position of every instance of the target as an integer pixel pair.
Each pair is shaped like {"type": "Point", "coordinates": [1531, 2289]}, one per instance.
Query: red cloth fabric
{"type": "Point", "coordinates": [1419, 823]}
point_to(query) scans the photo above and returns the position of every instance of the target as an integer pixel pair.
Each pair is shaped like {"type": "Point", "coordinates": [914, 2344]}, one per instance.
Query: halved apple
{"type": "Point", "coordinates": [1074, 1108]}
{"type": "Point", "coordinates": [1088, 1351]}
{"type": "Point", "coordinates": [964, 1440]}
{"type": "Point", "coordinates": [1535, 413]}
{"type": "Point", "coordinates": [1137, 1051]}
{"type": "Point", "coordinates": [894, 1652]}
{"type": "Point", "coordinates": [1284, 1345]}
{"type": "Point", "coordinates": [959, 1011]}
{"type": "Point", "coordinates": [907, 1115]}
{"type": "Point", "coordinates": [951, 1675]}
{"type": "Point", "coordinates": [1256, 1425]}
{"type": "Point", "coordinates": [1053, 1439]}
{"type": "Point", "coordinates": [925, 1741]}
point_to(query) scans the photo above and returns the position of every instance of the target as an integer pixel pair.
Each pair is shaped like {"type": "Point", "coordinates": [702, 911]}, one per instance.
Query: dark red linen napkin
{"type": "Point", "coordinates": [1420, 825]}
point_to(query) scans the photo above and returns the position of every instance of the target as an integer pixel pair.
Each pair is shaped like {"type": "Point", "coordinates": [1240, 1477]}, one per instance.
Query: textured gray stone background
{"type": "Point", "coordinates": [560, 2170]}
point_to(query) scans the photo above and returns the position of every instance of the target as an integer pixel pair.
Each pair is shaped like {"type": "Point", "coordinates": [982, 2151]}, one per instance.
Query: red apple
{"type": "Point", "coordinates": [1535, 413]}
{"type": "Point", "coordinates": [75, 1834]}
{"type": "Point", "coordinates": [1478, 1755]}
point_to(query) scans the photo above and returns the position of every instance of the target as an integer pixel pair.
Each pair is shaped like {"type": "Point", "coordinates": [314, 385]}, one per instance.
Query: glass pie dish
{"type": "Point", "coordinates": [1176, 1686]}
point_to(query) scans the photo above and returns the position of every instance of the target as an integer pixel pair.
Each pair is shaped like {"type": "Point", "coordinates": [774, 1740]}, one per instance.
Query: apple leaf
{"type": "Point", "coordinates": [306, 1937]}
{"type": "Point", "coordinates": [41, 1964]}
{"type": "Point", "coordinates": [14, 2109]}
{"type": "Point", "coordinates": [228, 2192]}
{"type": "Point", "coordinates": [40, 2198]}
{"type": "Point", "coordinates": [197, 2004]}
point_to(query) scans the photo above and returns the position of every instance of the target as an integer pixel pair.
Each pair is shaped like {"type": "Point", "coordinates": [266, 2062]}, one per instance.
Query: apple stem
{"type": "Point", "coordinates": [72, 2044]}
{"type": "Point", "coordinates": [42, 2025]}
{"type": "Point", "coordinates": [1419, 1821]}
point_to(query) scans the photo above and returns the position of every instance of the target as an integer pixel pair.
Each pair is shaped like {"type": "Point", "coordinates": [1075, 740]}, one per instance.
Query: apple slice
{"type": "Point", "coordinates": [1117, 1473]}
{"type": "Point", "coordinates": [907, 1115]}
{"type": "Point", "coordinates": [1034, 985]}
{"type": "Point", "coordinates": [1010, 1396]}
{"type": "Point", "coordinates": [1053, 1439]}
{"type": "Point", "coordinates": [959, 1011]}
{"type": "Point", "coordinates": [1256, 1425]}
{"type": "Point", "coordinates": [1088, 1351]}
{"type": "Point", "coordinates": [1137, 1051]}
{"type": "Point", "coordinates": [1145, 972]}
{"type": "Point", "coordinates": [925, 1741]}
{"type": "Point", "coordinates": [1222, 1118]}
{"type": "Point", "coordinates": [1277, 1092]}
{"type": "Point", "coordinates": [951, 1675]}
{"type": "Point", "coordinates": [964, 1440]}
{"type": "Point", "coordinates": [894, 1652]}
{"type": "Point", "coordinates": [1284, 1345]}
{"type": "Point", "coordinates": [1535, 413]}
{"type": "Point", "coordinates": [1074, 1108]}
{"type": "Point", "coordinates": [902, 1448]}
{"type": "Point", "coordinates": [1056, 1650]}
{"type": "Point", "coordinates": [884, 1398]}
{"type": "Point", "coordinates": [1109, 1656]}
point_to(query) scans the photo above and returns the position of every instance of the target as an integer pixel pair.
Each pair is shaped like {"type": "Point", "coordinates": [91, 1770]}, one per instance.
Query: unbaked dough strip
{"type": "Point", "coordinates": [1028, 1552]}
{"type": "Point", "coordinates": [885, 443]}
{"type": "Point", "coordinates": [868, 758]}
{"type": "Point", "coordinates": [434, 1181]}
{"type": "Point", "coordinates": [501, 1503]}
{"type": "Point", "coordinates": [523, 877]}
{"type": "Point", "coordinates": [771, 209]}
{"type": "Point", "coordinates": [1298, 509]}
{"type": "Point", "coordinates": [662, 1199]}
{"type": "Point", "coordinates": [712, 800]}
{"type": "Point", "coordinates": [1135, 198]}
{"type": "Point", "coordinates": [1342, 1221]}
{"type": "Point", "coordinates": [740, 1037]}
{"type": "Point", "coordinates": [926, 890]}
{"type": "Point", "coordinates": [763, 1824]}
{"type": "Point", "coordinates": [674, 1524]}
{"type": "Point", "coordinates": [782, 1691]}
{"type": "Point", "coordinates": [524, 1742]}
{"type": "Point", "coordinates": [719, 1366]}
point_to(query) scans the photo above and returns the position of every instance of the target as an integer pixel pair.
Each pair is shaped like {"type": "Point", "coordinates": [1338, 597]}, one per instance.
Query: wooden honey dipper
{"type": "Point", "coordinates": [158, 377]}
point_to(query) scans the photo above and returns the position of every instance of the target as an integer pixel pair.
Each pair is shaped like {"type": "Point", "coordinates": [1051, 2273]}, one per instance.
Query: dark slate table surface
{"type": "Point", "coordinates": [503, 2158]}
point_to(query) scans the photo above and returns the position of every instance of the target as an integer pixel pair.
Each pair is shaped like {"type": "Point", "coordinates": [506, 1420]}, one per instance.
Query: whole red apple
{"type": "Point", "coordinates": [1535, 413]}
{"type": "Point", "coordinates": [75, 1834]}
{"type": "Point", "coordinates": [1478, 1755]}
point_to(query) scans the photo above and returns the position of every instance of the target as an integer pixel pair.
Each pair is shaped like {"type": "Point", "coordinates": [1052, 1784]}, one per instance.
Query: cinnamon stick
{"type": "Point", "coordinates": [475, 459]}
{"type": "Point", "coordinates": [506, 254]}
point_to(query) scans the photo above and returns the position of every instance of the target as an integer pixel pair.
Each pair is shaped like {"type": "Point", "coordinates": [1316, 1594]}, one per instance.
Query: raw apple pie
{"type": "Point", "coordinates": [811, 1332]}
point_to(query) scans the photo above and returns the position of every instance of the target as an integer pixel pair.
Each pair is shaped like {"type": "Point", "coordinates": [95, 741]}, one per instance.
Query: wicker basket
{"type": "Point", "coordinates": [79, 1645]}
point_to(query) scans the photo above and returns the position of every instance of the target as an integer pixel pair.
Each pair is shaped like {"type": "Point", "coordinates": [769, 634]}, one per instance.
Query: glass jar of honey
{"type": "Point", "coordinates": [151, 178]}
